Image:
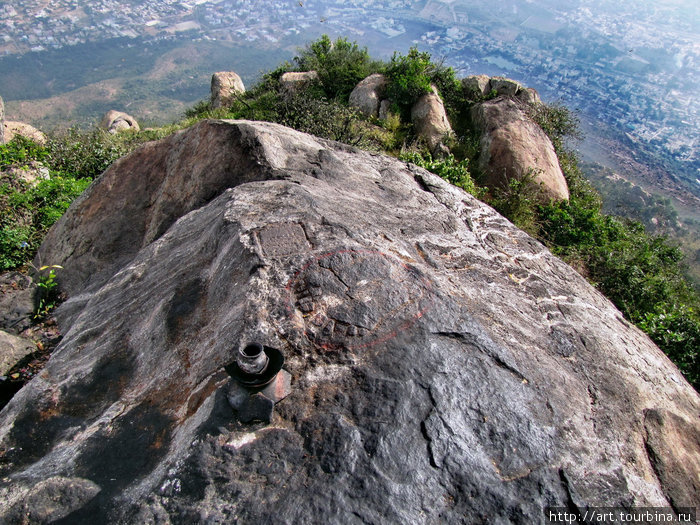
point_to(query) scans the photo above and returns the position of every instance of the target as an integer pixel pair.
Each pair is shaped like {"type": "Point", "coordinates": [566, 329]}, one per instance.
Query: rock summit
{"type": "Point", "coordinates": [444, 366]}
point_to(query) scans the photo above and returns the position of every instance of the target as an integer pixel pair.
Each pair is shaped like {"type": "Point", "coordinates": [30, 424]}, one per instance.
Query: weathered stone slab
{"type": "Point", "coordinates": [283, 239]}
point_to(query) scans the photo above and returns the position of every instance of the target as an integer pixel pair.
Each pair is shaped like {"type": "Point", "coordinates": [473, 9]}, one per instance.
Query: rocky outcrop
{"type": "Point", "coordinates": [529, 96]}
{"type": "Point", "coordinates": [25, 130]}
{"type": "Point", "coordinates": [430, 121]}
{"type": "Point", "coordinates": [2, 121]}
{"type": "Point", "coordinates": [478, 87]}
{"type": "Point", "coordinates": [293, 82]}
{"type": "Point", "coordinates": [512, 147]}
{"type": "Point", "coordinates": [117, 121]}
{"type": "Point", "coordinates": [226, 86]}
{"type": "Point", "coordinates": [445, 367]}
{"type": "Point", "coordinates": [368, 95]}
{"type": "Point", "coordinates": [505, 86]}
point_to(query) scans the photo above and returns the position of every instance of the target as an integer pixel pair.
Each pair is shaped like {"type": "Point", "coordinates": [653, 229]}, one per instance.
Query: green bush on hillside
{"type": "Point", "coordinates": [411, 76]}
{"type": "Point", "coordinates": [320, 117]}
{"type": "Point", "coordinates": [20, 151]}
{"type": "Point", "coordinates": [28, 211]}
{"type": "Point", "coordinates": [86, 154]}
{"type": "Point", "coordinates": [676, 331]}
{"type": "Point", "coordinates": [74, 158]}
{"type": "Point", "coordinates": [557, 121]}
{"type": "Point", "coordinates": [518, 202]}
{"type": "Point", "coordinates": [452, 170]}
{"type": "Point", "coordinates": [340, 65]}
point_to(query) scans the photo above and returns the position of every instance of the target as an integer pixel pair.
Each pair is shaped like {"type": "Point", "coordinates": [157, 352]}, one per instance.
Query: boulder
{"type": "Point", "coordinates": [292, 82]}
{"type": "Point", "coordinates": [445, 367]}
{"type": "Point", "coordinates": [2, 121]}
{"type": "Point", "coordinates": [529, 96]}
{"type": "Point", "coordinates": [12, 350]}
{"type": "Point", "coordinates": [31, 173]}
{"type": "Point", "coordinates": [505, 86]}
{"type": "Point", "coordinates": [117, 121]}
{"type": "Point", "coordinates": [512, 146]}
{"type": "Point", "coordinates": [430, 120]}
{"type": "Point", "coordinates": [13, 128]}
{"type": "Point", "coordinates": [368, 94]}
{"type": "Point", "coordinates": [477, 86]}
{"type": "Point", "coordinates": [226, 86]}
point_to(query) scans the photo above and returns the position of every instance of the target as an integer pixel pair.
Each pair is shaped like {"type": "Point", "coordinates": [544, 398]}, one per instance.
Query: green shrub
{"type": "Point", "coordinates": [323, 118]}
{"type": "Point", "coordinates": [340, 65]}
{"type": "Point", "coordinates": [199, 110]}
{"type": "Point", "coordinates": [677, 332]}
{"type": "Point", "coordinates": [411, 76]}
{"type": "Point", "coordinates": [453, 171]}
{"type": "Point", "coordinates": [47, 287]}
{"type": "Point", "coordinates": [86, 154]}
{"type": "Point", "coordinates": [557, 121]}
{"type": "Point", "coordinates": [27, 211]}
{"type": "Point", "coordinates": [518, 202]}
{"type": "Point", "coordinates": [27, 214]}
{"type": "Point", "coordinates": [15, 247]}
{"type": "Point", "coordinates": [20, 151]}
{"type": "Point", "coordinates": [261, 103]}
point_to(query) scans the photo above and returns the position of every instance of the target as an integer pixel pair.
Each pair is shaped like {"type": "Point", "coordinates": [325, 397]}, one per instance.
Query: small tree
{"type": "Point", "coordinates": [340, 65]}
{"type": "Point", "coordinates": [411, 76]}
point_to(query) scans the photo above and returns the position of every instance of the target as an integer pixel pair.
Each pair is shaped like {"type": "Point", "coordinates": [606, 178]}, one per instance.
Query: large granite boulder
{"type": "Point", "coordinates": [430, 121]}
{"type": "Point", "coordinates": [445, 367]}
{"type": "Point", "coordinates": [117, 121]}
{"type": "Point", "coordinates": [13, 128]}
{"type": "Point", "coordinates": [226, 86]}
{"type": "Point", "coordinates": [2, 121]}
{"type": "Point", "coordinates": [368, 94]}
{"type": "Point", "coordinates": [512, 146]}
{"type": "Point", "coordinates": [294, 82]}
{"type": "Point", "coordinates": [505, 86]}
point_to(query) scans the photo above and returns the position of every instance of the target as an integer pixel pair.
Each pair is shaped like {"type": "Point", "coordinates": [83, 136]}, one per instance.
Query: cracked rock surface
{"type": "Point", "coordinates": [446, 368]}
